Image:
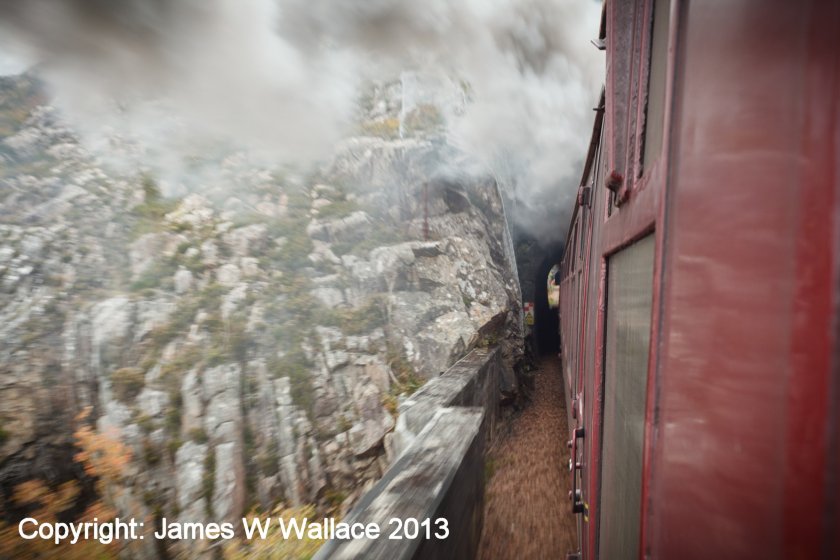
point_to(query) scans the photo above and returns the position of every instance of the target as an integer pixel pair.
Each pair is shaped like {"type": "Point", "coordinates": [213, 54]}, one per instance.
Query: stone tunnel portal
{"type": "Point", "coordinates": [546, 319]}
{"type": "Point", "coordinates": [534, 261]}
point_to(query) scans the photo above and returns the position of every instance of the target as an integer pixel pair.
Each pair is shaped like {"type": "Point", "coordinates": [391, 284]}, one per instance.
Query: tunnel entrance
{"type": "Point", "coordinates": [534, 259]}
{"type": "Point", "coordinates": [546, 319]}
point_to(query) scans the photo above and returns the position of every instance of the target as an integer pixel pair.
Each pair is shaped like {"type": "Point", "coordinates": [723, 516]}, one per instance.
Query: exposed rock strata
{"type": "Point", "coordinates": [250, 343]}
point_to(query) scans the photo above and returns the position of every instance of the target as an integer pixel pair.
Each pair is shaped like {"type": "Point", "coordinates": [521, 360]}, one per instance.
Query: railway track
{"type": "Point", "coordinates": [526, 511]}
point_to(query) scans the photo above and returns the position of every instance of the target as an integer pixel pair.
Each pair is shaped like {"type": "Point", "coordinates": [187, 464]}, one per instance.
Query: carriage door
{"type": "Point", "coordinates": [629, 299]}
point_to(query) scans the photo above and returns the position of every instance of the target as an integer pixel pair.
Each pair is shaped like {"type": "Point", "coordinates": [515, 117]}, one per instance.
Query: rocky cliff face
{"type": "Point", "coordinates": [248, 342]}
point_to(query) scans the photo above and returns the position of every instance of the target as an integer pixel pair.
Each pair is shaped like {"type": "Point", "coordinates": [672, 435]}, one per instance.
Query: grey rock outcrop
{"type": "Point", "coordinates": [248, 344]}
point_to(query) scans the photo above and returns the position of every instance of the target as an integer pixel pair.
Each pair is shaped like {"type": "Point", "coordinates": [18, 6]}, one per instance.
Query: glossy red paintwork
{"type": "Point", "coordinates": [741, 438]}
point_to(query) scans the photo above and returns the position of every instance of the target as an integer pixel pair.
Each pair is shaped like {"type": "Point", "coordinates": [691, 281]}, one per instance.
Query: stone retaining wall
{"type": "Point", "coordinates": [439, 473]}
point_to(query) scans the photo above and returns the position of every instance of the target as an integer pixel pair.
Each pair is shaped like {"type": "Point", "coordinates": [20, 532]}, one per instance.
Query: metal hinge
{"type": "Point", "coordinates": [575, 495]}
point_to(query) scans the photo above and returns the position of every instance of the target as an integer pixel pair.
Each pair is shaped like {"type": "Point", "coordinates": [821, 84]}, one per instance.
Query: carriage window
{"type": "Point", "coordinates": [629, 299]}
{"type": "Point", "coordinates": [582, 234]}
{"type": "Point", "coordinates": [581, 241]}
{"type": "Point", "coordinates": [655, 112]}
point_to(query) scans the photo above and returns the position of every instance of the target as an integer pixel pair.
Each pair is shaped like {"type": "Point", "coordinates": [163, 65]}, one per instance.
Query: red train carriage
{"type": "Point", "coordinates": [701, 285]}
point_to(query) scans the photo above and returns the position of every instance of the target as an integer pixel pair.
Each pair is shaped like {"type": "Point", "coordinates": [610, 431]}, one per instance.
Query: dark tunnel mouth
{"type": "Point", "coordinates": [546, 320]}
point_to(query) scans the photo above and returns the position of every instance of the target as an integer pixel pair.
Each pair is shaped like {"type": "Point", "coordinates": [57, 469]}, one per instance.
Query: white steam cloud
{"type": "Point", "coordinates": [285, 74]}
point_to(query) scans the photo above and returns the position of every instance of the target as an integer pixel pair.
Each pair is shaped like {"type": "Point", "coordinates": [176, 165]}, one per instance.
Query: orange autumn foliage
{"type": "Point", "coordinates": [103, 458]}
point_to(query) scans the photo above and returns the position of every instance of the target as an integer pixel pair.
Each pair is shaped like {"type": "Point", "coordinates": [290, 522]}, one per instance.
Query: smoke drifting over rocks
{"type": "Point", "coordinates": [285, 75]}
